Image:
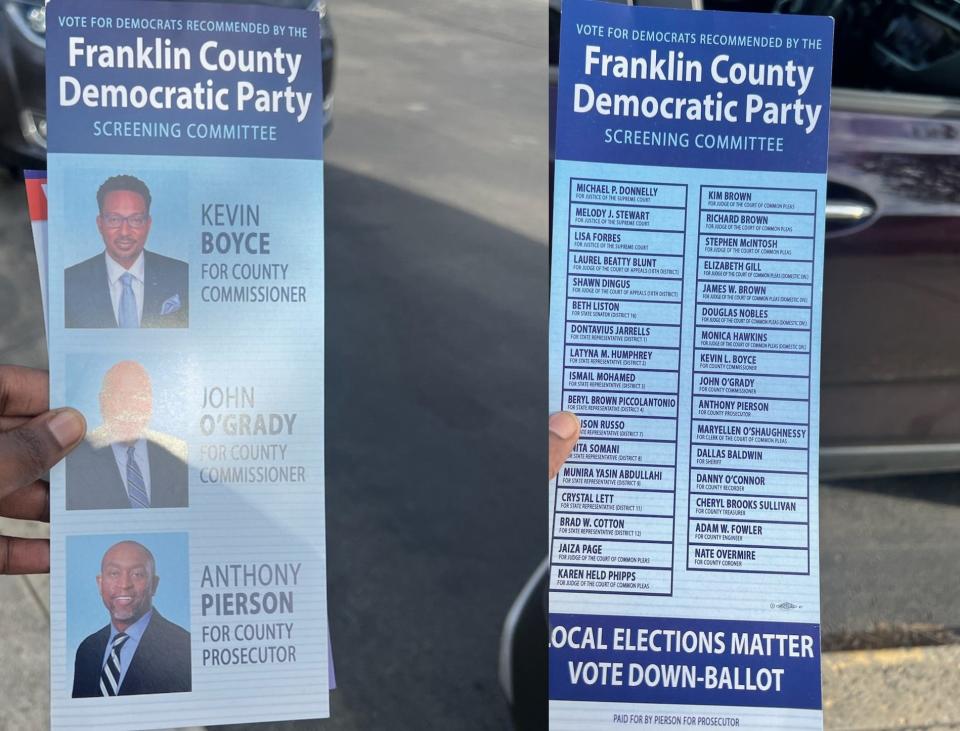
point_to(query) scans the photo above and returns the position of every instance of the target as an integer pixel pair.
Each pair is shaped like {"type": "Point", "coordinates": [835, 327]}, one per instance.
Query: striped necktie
{"type": "Point", "coordinates": [110, 675]}
{"type": "Point", "coordinates": [136, 489]}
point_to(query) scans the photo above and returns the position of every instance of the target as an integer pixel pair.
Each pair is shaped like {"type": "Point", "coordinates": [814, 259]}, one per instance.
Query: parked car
{"type": "Point", "coordinates": [890, 372]}
{"type": "Point", "coordinates": [23, 121]}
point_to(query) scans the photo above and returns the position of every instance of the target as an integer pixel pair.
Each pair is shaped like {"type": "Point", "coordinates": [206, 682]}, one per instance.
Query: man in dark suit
{"type": "Point", "coordinates": [126, 286]}
{"type": "Point", "coordinates": [139, 651]}
{"type": "Point", "coordinates": [122, 463]}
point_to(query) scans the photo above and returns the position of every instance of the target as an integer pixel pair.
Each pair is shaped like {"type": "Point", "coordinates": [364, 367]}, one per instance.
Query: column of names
{"type": "Point", "coordinates": [613, 521]}
{"type": "Point", "coordinates": [750, 411]}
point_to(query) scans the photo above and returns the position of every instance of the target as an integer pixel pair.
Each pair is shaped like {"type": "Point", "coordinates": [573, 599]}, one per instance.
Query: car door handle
{"type": "Point", "coordinates": [848, 212]}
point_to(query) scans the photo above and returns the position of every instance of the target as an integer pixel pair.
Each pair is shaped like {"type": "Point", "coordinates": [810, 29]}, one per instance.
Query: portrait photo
{"type": "Point", "coordinates": [128, 614]}
{"type": "Point", "coordinates": [128, 274]}
{"type": "Point", "coordinates": [134, 455]}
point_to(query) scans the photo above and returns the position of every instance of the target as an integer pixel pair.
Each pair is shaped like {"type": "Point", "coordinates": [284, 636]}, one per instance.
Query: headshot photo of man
{"type": "Point", "coordinates": [138, 651]}
{"type": "Point", "coordinates": [122, 463]}
{"type": "Point", "coordinates": [126, 285]}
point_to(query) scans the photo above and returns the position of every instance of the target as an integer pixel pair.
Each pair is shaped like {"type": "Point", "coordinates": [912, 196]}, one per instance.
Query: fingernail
{"type": "Point", "coordinates": [564, 425]}
{"type": "Point", "coordinates": [67, 427]}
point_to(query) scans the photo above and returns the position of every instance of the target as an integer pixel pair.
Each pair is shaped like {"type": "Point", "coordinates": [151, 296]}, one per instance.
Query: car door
{"type": "Point", "coordinates": [891, 352]}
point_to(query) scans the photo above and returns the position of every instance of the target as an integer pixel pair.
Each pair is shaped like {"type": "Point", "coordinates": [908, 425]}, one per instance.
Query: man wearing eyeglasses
{"type": "Point", "coordinates": [126, 286]}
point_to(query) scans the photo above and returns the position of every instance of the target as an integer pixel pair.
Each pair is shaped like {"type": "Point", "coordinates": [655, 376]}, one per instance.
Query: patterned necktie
{"type": "Point", "coordinates": [136, 489]}
{"type": "Point", "coordinates": [127, 315]}
{"type": "Point", "coordinates": [110, 675]}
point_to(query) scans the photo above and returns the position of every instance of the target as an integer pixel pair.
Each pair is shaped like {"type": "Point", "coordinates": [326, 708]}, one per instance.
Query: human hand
{"type": "Point", "coordinates": [32, 439]}
{"type": "Point", "coordinates": [564, 433]}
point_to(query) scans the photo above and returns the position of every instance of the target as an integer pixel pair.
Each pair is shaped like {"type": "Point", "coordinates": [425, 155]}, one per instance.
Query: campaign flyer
{"type": "Point", "coordinates": [35, 182]}
{"type": "Point", "coordinates": [686, 292]}
{"type": "Point", "coordinates": [185, 297]}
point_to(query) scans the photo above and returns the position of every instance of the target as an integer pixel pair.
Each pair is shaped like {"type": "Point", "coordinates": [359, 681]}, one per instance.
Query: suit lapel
{"type": "Point", "coordinates": [152, 290]}
{"type": "Point", "coordinates": [91, 681]}
{"type": "Point", "coordinates": [100, 303]}
{"type": "Point", "coordinates": [114, 487]}
{"type": "Point", "coordinates": [135, 681]}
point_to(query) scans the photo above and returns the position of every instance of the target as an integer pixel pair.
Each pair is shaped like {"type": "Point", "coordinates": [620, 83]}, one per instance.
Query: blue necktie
{"type": "Point", "coordinates": [127, 317]}
{"type": "Point", "coordinates": [136, 489]}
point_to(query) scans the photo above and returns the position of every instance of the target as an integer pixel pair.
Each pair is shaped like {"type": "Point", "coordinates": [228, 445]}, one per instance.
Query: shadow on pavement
{"type": "Point", "coordinates": [436, 393]}
{"type": "Point", "coordinates": [888, 552]}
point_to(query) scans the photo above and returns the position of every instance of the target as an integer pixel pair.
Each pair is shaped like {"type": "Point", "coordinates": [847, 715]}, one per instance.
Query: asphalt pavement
{"type": "Point", "coordinates": [889, 551]}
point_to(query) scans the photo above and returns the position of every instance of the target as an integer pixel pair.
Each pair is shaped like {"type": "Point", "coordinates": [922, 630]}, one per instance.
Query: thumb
{"type": "Point", "coordinates": [564, 433]}
{"type": "Point", "coordinates": [31, 449]}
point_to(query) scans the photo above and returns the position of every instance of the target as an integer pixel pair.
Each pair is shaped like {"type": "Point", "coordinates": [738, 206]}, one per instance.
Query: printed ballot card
{"type": "Point", "coordinates": [685, 333]}
{"type": "Point", "coordinates": [185, 296]}
{"type": "Point", "coordinates": [35, 183]}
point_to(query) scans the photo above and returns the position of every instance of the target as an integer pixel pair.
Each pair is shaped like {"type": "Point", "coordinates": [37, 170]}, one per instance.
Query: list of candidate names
{"type": "Point", "coordinates": [685, 304]}
{"type": "Point", "coordinates": [750, 412]}
{"type": "Point", "coordinates": [749, 342]}
{"type": "Point", "coordinates": [613, 521]}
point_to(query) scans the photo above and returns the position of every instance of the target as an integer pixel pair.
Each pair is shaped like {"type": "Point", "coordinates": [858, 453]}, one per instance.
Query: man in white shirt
{"type": "Point", "coordinates": [126, 286]}
{"type": "Point", "coordinates": [122, 463]}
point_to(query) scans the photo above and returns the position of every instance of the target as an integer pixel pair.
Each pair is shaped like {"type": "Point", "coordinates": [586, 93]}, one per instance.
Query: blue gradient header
{"type": "Point", "coordinates": [184, 79]}
{"type": "Point", "coordinates": [719, 90]}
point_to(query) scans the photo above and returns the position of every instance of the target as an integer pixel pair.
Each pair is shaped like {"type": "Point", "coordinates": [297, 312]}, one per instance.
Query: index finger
{"type": "Point", "coordinates": [564, 433]}
{"type": "Point", "coordinates": [24, 555]}
{"type": "Point", "coordinates": [23, 391]}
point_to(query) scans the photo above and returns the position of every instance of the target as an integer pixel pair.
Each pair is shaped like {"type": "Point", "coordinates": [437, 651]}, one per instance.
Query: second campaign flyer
{"type": "Point", "coordinates": [186, 308]}
{"type": "Point", "coordinates": [685, 333]}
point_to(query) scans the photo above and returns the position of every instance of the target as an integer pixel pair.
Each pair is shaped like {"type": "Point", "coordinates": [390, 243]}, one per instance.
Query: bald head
{"type": "Point", "coordinates": [127, 582]}
{"type": "Point", "coordinates": [130, 550]}
{"type": "Point", "coordinates": [126, 401]}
